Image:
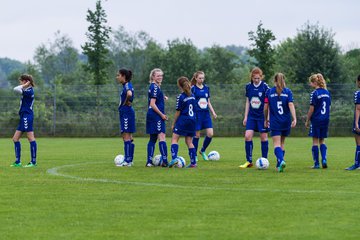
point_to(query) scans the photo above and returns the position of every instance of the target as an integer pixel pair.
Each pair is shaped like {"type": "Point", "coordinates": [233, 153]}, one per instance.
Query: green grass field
{"type": "Point", "coordinates": [76, 192]}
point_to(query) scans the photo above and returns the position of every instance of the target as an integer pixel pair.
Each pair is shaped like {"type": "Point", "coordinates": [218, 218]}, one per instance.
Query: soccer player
{"type": "Point", "coordinates": [254, 115]}
{"type": "Point", "coordinates": [356, 129]}
{"type": "Point", "coordinates": [26, 120]}
{"type": "Point", "coordinates": [127, 115]}
{"type": "Point", "coordinates": [155, 118]}
{"type": "Point", "coordinates": [278, 111]}
{"type": "Point", "coordinates": [202, 108]}
{"type": "Point", "coordinates": [184, 122]}
{"type": "Point", "coordinates": [319, 116]}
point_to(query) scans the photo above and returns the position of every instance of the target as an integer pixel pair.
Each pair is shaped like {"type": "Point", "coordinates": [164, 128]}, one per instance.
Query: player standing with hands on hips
{"type": "Point", "coordinates": [319, 116]}
{"type": "Point", "coordinates": [279, 102]}
{"type": "Point", "coordinates": [254, 115]}
{"type": "Point", "coordinates": [126, 115]}
{"type": "Point", "coordinates": [26, 120]}
{"type": "Point", "coordinates": [184, 122]}
{"type": "Point", "coordinates": [356, 127]}
{"type": "Point", "coordinates": [202, 108]}
{"type": "Point", "coordinates": [155, 118]}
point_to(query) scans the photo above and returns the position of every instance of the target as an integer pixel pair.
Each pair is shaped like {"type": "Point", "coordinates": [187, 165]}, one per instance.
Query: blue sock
{"type": "Point", "coordinates": [195, 142]}
{"type": "Point", "coordinates": [315, 153]}
{"type": "Point", "coordinates": [192, 154]}
{"type": "Point", "coordinates": [127, 151]}
{"type": "Point", "coordinates": [174, 150]}
{"type": "Point", "coordinates": [206, 143]}
{"type": "Point", "coordinates": [150, 151]}
{"type": "Point", "coordinates": [33, 150]}
{"type": "Point", "coordinates": [163, 151]}
{"type": "Point", "coordinates": [323, 149]}
{"type": "Point", "coordinates": [132, 150]}
{"type": "Point", "coordinates": [279, 155]}
{"type": "Point", "coordinates": [17, 146]}
{"type": "Point", "coordinates": [264, 149]}
{"type": "Point", "coordinates": [248, 150]}
{"type": "Point", "coordinates": [357, 155]}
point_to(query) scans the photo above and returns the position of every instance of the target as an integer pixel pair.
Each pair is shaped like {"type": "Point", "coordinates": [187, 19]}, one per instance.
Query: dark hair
{"type": "Point", "coordinates": [359, 78]}
{"type": "Point", "coordinates": [185, 84]}
{"type": "Point", "coordinates": [279, 81]}
{"type": "Point", "coordinates": [127, 73]}
{"type": "Point", "coordinates": [28, 78]}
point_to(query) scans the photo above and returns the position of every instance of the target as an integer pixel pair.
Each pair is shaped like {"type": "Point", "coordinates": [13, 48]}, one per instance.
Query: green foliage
{"type": "Point", "coordinates": [96, 48]}
{"type": "Point", "coordinates": [313, 50]}
{"type": "Point", "coordinates": [7, 66]}
{"type": "Point", "coordinates": [351, 63]}
{"type": "Point", "coordinates": [262, 50]}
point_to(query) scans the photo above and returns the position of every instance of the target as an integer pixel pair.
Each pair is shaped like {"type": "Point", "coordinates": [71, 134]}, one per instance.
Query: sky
{"type": "Point", "coordinates": [26, 24]}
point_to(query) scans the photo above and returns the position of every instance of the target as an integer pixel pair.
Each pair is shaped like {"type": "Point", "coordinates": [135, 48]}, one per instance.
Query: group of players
{"type": "Point", "coordinates": [266, 110]}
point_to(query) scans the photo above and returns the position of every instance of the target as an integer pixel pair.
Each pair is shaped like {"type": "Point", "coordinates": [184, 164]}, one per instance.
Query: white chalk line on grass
{"type": "Point", "coordinates": [55, 172]}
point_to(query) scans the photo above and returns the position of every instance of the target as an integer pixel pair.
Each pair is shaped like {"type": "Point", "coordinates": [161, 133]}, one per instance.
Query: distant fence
{"type": "Point", "coordinates": [89, 111]}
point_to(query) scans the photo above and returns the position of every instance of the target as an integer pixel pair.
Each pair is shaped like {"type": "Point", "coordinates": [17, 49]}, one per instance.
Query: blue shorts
{"type": "Point", "coordinates": [256, 125]}
{"type": "Point", "coordinates": [185, 127]}
{"type": "Point", "coordinates": [284, 133]}
{"type": "Point", "coordinates": [203, 120]}
{"type": "Point", "coordinates": [26, 123]}
{"type": "Point", "coordinates": [318, 132]}
{"type": "Point", "coordinates": [127, 121]}
{"type": "Point", "coordinates": [154, 124]}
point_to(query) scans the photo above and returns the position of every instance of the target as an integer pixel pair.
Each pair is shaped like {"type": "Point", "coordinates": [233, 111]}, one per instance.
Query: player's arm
{"type": "Point", "coordinates": [156, 109]}
{"type": "Point", "coordinates": [309, 114]}
{"type": "Point", "coordinates": [357, 116]}
{"type": "Point", "coordinates": [212, 109]}
{"type": "Point", "coordinates": [177, 114]}
{"type": "Point", "coordinates": [247, 105]}
{"type": "Point", "coordinates": [128, 97]}
{"type": "Point", "coordinates": [293, 114]}
{"type": "Point", "coordinates": [19, 89]}
{"type": "Point", "coordinates": [266, 113]}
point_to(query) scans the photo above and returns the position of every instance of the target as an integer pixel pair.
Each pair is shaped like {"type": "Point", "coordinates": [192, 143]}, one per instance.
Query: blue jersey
{"type": "Point", "coordinates": [126, 87]}
{"type": "Point", "coordinates": [321, 100]}
{"type": "Point", "coordinates": [27, 101]}
{"type": "Point", "coordinates": [155, 92]}
{"type": "Point", "coordinates": [202, 96]}
{"type": "Point", "coordinates": [280, 115]}
{"type": "Point", "coordinates": [356, 101]}
{"type": "Point", "coordinates": [186, 121]}
{"type": "Point", "coordinates": [256, 96]}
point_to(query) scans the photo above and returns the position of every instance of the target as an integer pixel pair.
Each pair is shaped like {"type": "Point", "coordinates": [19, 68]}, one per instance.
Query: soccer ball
{"type": "Point", "coordinates": [214, 156]}
{"type": "Point", "coordinates": [157, 160]}
{"type": "Point", "coordinates": [262, 163]}
{"type": "Point", "coordinates": [181, 162]}
{"type": "Point", "coordinates": [119, 159]}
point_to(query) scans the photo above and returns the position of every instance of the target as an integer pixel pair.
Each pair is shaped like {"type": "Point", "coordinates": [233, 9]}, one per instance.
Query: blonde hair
{"type": "Point", "coordinates": [318, 79]}
{"type": "Point", "coordinates": [152, 73]}
{"type": "Point", "coordinates": [256, 70]}
{"type": "Point", "coordinates": [279, 81]}
{"type": "Point", "coordinates": [184, 84]}
{"type": "Point", "coordinates": [196, 74]}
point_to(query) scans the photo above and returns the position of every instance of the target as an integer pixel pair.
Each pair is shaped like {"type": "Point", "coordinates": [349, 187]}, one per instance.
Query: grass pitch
{"type": "Point", "coordinates": [76, 192]}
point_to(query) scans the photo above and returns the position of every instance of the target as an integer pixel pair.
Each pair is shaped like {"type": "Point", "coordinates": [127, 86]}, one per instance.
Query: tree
{"type": "Point", "coordinates": [96, 47]}
{"type": "Point", "coordinates": [312, 50]}
{"type": "Point", "coordinates": [262, 50]}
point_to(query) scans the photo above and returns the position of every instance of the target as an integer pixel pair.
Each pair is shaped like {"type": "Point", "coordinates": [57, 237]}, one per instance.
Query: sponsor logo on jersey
{"type": "Point", "coordinates": [202, 103]}
{"type": "Point", "coordinates": [255, 102]}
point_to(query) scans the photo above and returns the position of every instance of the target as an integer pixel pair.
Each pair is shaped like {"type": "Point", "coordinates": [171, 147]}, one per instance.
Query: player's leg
{"type": "Point", "coordinates": [315, 152]}
{"type": "Point", "coordinates": [151, 149]}
{"type": "Point", "coordinates": [174, 149]}
{"type": "Point", "coordinates": [163, 148]}
{"type": "Point", "coordinates": [17, 148]}
{"type": "Point", "coordinates": [357, 154]}
{"type": "Point", "coordinates": [127, 147]}
{"type": "Point", "coordinates": [249, 133]}
{"type": "Point", "coordinates": [323, 151]}
{"type": "Point", "coordinates": [192, 151]}
{"type": "Point", "coordinates": [206, 143]}
{"type": "Point", "coordinates": [264, 144]}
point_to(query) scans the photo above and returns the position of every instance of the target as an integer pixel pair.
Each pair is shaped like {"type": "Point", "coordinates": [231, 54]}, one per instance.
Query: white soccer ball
{"type": "Point", "coordinates": [181, 162]}
{"type": "Point", "coordinates": [157, 160]}
{"type": "Point", "coordinates": [119, 159]}
{"type": "Point", "coordinates": [214, 156]}
{"type": "Point", "coordinates": [262, 163]}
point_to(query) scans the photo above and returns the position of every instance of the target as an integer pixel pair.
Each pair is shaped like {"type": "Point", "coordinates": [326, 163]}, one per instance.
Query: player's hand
{"type": "Point", "coordinates": [244, 122]}
{"type": "Point", "coordinates": [166, 97]}
{"type": "Point", "coordinates": [293, 123]}
{"type": "Point", "coordinates": [164, 117]}
{"type": "Point", "coordinates": [214, 115]}
{"type": "Point", "coordinates": [307, 124]}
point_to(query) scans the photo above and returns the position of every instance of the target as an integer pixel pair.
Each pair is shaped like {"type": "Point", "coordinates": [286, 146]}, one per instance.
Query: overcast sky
{"type": "Point", "coordinates": [25, 24]}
